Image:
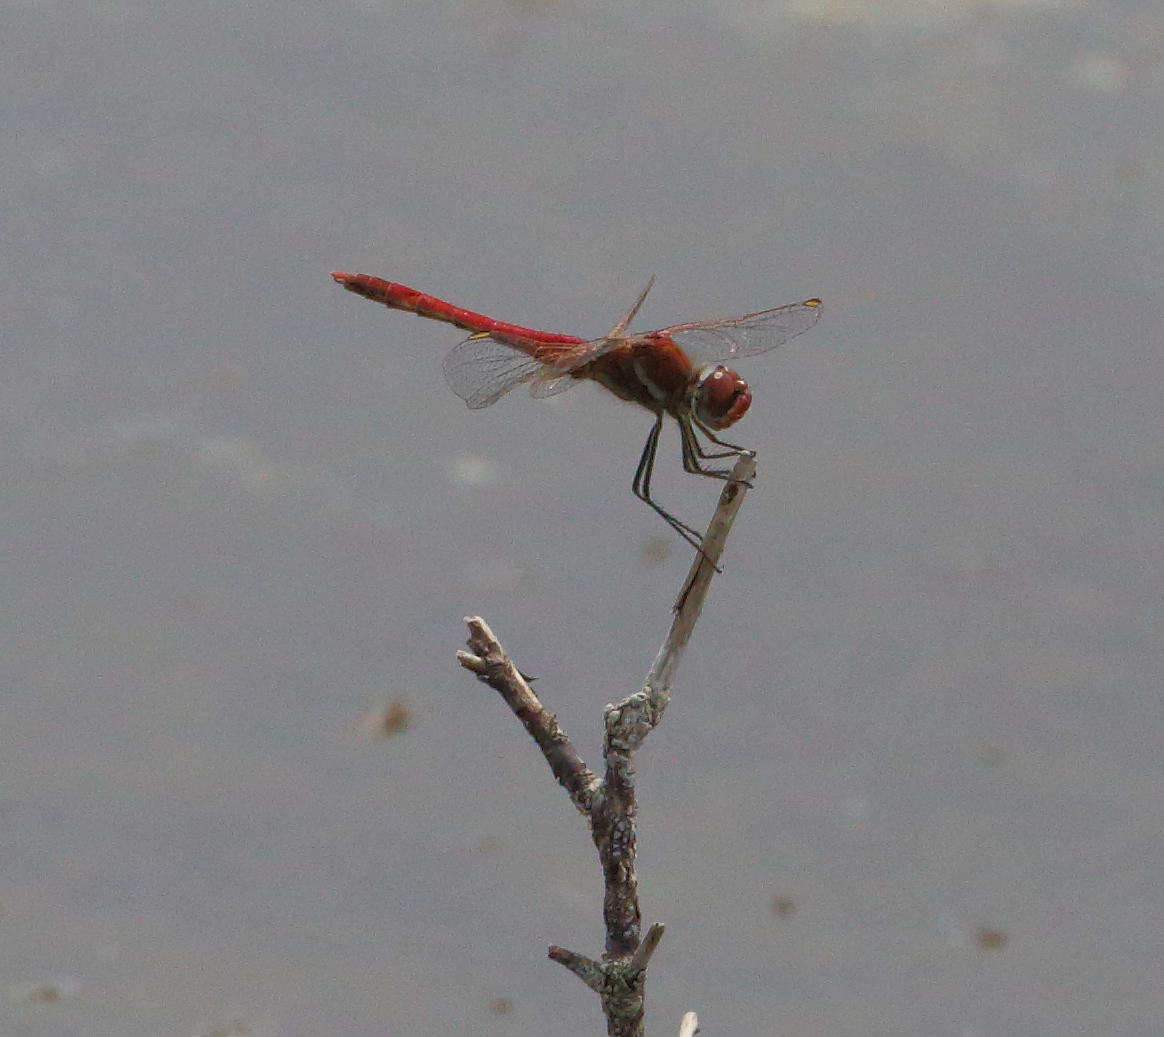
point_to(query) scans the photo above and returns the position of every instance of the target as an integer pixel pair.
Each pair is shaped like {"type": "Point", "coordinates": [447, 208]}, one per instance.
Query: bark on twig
{"type": "Point", "coordinates": [489, 661]}
{"type": "Point", "coordinates": [609, 803]}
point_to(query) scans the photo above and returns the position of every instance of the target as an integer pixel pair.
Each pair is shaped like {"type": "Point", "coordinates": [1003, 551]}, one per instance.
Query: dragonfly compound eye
{"type": "Point", "coordinates": [722, 397]}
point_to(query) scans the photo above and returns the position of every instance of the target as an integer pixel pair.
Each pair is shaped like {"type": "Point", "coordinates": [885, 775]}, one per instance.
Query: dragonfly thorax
{"type": "Point", "coordinates": [719, 397]}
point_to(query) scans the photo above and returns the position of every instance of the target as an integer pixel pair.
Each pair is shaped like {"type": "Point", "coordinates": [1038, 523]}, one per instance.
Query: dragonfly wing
{"type": "Point", "coordinates": [481, 370]}
{"type": "Point", "coordinates": [550, 382]}
{"type": "Point", "coordinates": [564, 360]}
{"type": "Point", "coordinates": [749, 335]}
{"type": "Point", "coordinates": [557, 370]}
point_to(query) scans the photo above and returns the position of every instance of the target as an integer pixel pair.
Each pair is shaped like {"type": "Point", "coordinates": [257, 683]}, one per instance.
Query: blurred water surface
{"type": "Point", "coordinates": [910, 780]}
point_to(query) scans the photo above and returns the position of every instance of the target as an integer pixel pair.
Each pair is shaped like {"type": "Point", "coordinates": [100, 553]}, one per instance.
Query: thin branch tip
{"type": "Point", "coordinates": [586, 969]}
{"type": "Point", "coordinates": [647, 947]}
{"type": "Point", "coordinates": [491, 664]}
{"type": "Point", "coordinates": [471, 662]}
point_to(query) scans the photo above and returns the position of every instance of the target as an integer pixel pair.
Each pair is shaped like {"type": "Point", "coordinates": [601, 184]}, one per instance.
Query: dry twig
{"type": "Point", "coordinates": [609, 804]}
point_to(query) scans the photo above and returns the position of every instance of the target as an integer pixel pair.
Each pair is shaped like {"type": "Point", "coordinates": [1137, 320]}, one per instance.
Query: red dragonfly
{"type": "Point", "coordinates": [673, 371]}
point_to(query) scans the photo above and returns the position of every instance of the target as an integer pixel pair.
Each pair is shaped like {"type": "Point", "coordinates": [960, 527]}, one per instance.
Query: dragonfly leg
{"type": "Point", "coordinates": [693, 451]}
{"type": "Point", "coordinates": [732, 449]}
{"type": "Point", "coordinates": [642, 489]}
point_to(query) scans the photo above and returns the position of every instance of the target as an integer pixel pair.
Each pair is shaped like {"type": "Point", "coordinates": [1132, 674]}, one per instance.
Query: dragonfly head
{"type": "Point", "coordinates": [719, 397]}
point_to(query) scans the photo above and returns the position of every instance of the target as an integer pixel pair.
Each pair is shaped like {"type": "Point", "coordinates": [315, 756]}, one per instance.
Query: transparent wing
{"type": "Point", "coordinates": [563, 360]}
{"type": "Point", "coordinates": [550, 382]}
{"type": "Point", "coordinates": [481, 370]}
{"type": "Point", "coordinates": [749, 335]}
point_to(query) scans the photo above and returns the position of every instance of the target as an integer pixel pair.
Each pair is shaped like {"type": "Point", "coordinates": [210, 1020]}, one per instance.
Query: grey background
{"type": "Point", "coordinates": [241, 511]}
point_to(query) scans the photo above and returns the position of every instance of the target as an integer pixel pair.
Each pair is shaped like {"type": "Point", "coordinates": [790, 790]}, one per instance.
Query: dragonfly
{"type": "Point", "coordinates": [673, 372]}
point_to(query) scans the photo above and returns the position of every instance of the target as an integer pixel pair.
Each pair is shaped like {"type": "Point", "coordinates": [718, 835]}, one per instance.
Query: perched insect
{"type": "Point", "coordinates": [674, 371]}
